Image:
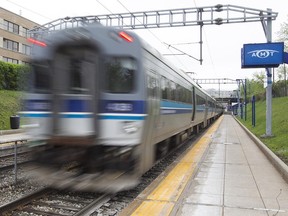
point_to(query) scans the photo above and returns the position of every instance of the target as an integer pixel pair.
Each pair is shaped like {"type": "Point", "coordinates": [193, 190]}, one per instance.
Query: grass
{"type": "Point", "coordinates": [278, 143]}
{"type": "Point", "coordinates": [9, 105]}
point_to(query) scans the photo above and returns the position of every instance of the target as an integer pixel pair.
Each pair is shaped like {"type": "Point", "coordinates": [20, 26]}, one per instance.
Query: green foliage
{"type": "Point", "coordinates": [255, 86]}
{"type": "Point", "coordinates": [12, 76]}
{"type": "Point", "coordinates": [283, 34]}
{"type": "Point", "coordinates": [280, 88]}
{"type": "Point", "coordinates": [9, 105]}
{"type": "Point", "coordinates": [278, 143]}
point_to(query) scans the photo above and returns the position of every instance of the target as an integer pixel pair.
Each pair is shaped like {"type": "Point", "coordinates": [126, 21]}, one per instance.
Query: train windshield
{"type": "Point", "coordinates": [80, 76]}
{"type": "Point", "coordinates": [120, 75]}
{"type": "Point", "coordinates": [41, 77]}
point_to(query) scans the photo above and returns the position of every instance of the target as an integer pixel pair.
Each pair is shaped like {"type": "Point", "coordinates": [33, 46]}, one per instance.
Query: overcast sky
{"type": "Point", "coordinates": [221, 44]}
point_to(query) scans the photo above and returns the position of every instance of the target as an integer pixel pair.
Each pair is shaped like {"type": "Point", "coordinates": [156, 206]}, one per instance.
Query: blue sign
{"type": "Point", "coordinates": [262, 55]}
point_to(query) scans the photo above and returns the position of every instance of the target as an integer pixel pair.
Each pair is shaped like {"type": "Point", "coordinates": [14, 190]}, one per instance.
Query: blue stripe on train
{"type": "Point", "coordinates": [175, 105]}
{"type": "Point", "coordinates": [108, 106]}
{"type": "Point", "coordinates": [36, 115]}
{"type": "Point", "coordinates": [170, 108]}
{"type": "Point", "coordinates": [127, 118]}
{"type": "Point", "coordinates": [123, 106]}
{"type": "Point", "coordinates": [76, 105]}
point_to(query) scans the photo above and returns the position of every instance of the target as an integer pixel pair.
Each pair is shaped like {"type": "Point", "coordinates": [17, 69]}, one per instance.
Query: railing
{"type": "Point", "coordinates": [13, 138]}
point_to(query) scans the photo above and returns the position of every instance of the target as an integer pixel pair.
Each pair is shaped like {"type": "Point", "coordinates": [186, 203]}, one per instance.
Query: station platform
{"type": "Point", "coordinates": [9, 138]}
{"type": "Point", "coordinates": [224, 174]}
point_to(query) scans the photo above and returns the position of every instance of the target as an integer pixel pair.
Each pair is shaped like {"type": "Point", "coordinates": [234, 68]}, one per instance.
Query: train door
{"type": "Point", "coordinates": [206, 109]}
{"type": "Point", "coordinates": [193, 104]}
{"type": "Point", "coordinates": [154, 95]}
{"type": "Point", "coordinates": [153, 111]}
{"type": "Point", "coordinates": [75, 91]}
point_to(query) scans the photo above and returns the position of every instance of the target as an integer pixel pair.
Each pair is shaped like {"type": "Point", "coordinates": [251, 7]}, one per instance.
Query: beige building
{"type": "Point", "coordinates": [14, 47]}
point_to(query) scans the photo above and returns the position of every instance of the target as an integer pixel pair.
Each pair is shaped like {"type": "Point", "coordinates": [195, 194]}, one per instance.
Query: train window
{"type": "Point", "coordinates": [188, 96]}
{"type": "Point", "coordinates": [165, 88]}
{"type": "Point", "coordinates": [81, 79]}
{"type": "Point", "coordinates": [178, 93]}
{"type": "Point", "coordinates": [173, 90]}
{"type": "Point", "coordinates": [182, 96]}
{"type": "Point", "coordinates": [120, 73]}
{"type": "Point", "coordinates": [152, 86]}
{"type": "Point", "coordinates": [76, 78]}
{"type": "Point", "coordinates": [42, 78]}
{"type": "Point", "coordinates": [200, 101]}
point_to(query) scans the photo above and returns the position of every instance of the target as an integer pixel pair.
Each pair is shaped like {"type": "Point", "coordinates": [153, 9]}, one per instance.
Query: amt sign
{"type": "Point", "coordinates": [262, 55]}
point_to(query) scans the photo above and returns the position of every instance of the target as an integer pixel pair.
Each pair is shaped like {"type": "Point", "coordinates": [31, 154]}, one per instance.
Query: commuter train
{"type": "Point", "coordinates": [102, 100]}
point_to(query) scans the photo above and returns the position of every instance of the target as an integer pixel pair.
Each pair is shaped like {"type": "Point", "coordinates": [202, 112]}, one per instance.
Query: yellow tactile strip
{"type": "Point", "coordinates": [162, 199]}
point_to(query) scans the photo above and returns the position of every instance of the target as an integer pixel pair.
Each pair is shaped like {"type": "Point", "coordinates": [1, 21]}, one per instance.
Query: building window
{"type": "Point", "coordinates": [12, 27]}
{"type": "Point", "coordinates": [25, 32]}
{"type": "Point", "coordinates": [25, 63]}
{"type": "Point", "coordinates": [26, 49]}
{"type": "Point", "coordinates": [10, 60]}
{"type": "Point", "coordinates": [11, 45]}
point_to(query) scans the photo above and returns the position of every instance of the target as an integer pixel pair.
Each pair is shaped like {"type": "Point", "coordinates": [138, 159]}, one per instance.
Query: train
{"type": "Point", "coordinates": [103, 106]}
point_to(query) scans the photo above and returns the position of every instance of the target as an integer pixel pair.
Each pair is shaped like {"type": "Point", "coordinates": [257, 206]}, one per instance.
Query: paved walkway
{"type": "Point", "coordinates": [235, 178]}
{"type": "Point", "coordinates": [232, 178]}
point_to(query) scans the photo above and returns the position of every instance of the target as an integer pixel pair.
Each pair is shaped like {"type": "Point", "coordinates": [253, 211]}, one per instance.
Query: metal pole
{"type": "Point", "coordinates": [15, 162]}
{"type": "Point", "coordinates": [253, 111]}
{"type": "Point", "coordinates": [269, 84]}
{"type": "Point", "coordinates": [285, 83]}
{"type": "Point", "coordinates": [238, 92]}
{"type": "Point", "coordinates": [245, 98]}
{"type": "Point", "coordinates": [219, 87]}
{"type": "Point", "coordinates": [201, 45]}
{"type": "Point", "coordinates": [269, 103]}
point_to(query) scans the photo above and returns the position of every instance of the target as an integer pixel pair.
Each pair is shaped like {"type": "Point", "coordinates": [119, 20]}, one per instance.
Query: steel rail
{"type": "Point", "coordinates": [24, 200]}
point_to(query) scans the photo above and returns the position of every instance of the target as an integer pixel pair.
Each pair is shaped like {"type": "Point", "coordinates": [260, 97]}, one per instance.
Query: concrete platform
{"type": "Point", "coordinates": [8, 140]}
{"type": "Point", "coordinates": [231, 177]}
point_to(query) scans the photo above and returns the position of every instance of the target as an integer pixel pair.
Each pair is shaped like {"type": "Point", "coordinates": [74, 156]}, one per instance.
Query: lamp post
{"type": "Point", "coordinates": [245, 95]}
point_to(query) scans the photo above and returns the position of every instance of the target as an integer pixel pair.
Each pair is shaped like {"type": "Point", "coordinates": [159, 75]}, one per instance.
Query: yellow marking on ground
{"type": "Point", "coordinates": [172, 186]}
{"type": "Point", "coordinates": [161, 200]}
{"type": "Point", "coordinates": [153, 208]}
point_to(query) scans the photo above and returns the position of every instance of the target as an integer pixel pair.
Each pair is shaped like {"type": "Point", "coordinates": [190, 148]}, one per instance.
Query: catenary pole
{"type": "Point", "coordinates": [268, 34]}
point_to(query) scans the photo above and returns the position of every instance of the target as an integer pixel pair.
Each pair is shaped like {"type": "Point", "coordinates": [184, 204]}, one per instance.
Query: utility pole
{"type": "Point", "coordinates": [268, 33]}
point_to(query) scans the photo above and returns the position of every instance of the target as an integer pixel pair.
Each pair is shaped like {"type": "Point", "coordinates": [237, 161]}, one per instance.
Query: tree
{"type": "Point", "coordinates": [255, 86]}
{"type": "Point", "coordinates": [282, 70]}
{"type": "Point", "coordinates": [283, 35]}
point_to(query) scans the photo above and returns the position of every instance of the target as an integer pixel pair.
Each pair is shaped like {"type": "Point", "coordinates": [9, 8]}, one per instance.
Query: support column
{"type": "Point", "coordinates": [269, 84]}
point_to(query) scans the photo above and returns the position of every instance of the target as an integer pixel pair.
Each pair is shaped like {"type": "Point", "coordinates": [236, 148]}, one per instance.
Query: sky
{"type": "Point", "coordinates": [221, 44]}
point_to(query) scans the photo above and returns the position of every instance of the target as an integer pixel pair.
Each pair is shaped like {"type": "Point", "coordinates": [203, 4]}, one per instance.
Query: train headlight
{"type": "Point", "coordinates": [130, 127]}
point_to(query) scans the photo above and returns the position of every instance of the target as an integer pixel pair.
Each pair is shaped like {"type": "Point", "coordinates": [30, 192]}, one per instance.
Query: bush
{"type": "Point", "coordinates": [12, 76]}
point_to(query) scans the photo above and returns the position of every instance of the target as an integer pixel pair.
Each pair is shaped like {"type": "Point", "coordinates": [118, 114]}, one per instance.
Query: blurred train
{"type": "Point", "coordinates": [104, 101]}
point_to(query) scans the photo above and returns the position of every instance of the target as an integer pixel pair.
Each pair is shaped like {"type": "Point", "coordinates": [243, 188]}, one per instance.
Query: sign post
{"type": "Point", "coordinates": [268, 34]}
{"type": "Point", "coordinates": [264, 55]}
{"type": "Point", "coordinates": [253, 111]}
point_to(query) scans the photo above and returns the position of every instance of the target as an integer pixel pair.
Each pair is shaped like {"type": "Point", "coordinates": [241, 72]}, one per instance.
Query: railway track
{"type": "Point", "coordinates": [53, 202]}
{"type": "Point", "coordinates": [8, 160]}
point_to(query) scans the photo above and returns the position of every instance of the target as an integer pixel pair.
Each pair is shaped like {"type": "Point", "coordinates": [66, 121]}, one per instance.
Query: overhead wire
{"type": "Point", "coordinates": [105, 7]}
{"type": "Point", "coordinates": [153, 35]}
{"type": "Point", "coordinates": [206, 41]}
{"type": "Point", "coordinates": [41, 15]}
{"type": "Point", "coordinates": [176, 44]}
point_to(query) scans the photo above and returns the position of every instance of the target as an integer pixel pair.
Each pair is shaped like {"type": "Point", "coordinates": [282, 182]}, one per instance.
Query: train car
{"type": "Point", "coordinates": [102, 100]}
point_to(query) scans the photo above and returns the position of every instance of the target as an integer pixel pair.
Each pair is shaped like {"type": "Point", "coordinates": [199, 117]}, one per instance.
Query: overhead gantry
{"type": "Point", "coordinates": [198, 16]}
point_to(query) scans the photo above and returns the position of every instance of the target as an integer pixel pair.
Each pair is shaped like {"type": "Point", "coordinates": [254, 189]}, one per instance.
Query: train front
{"type": "Point", "coordinates": [85, 111]}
